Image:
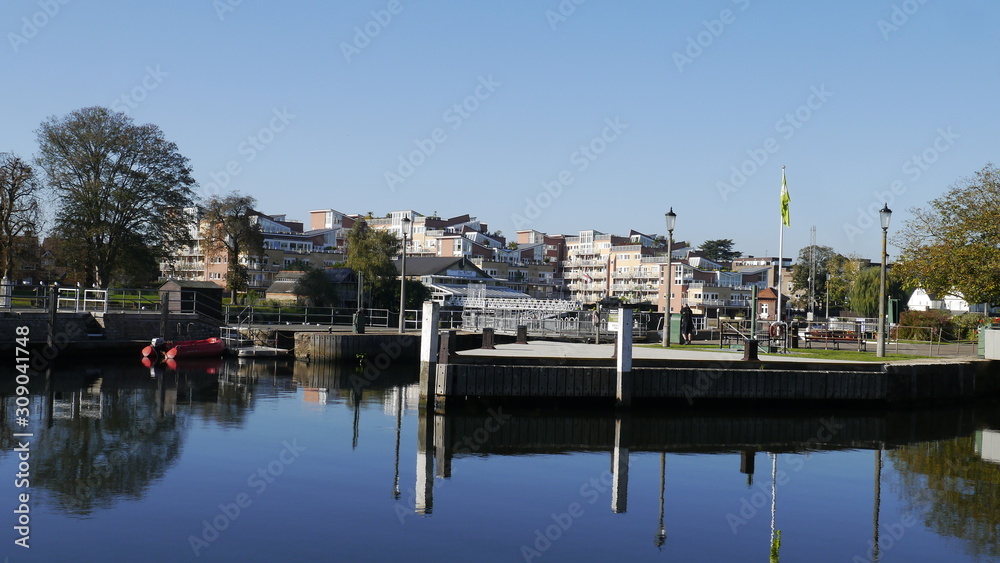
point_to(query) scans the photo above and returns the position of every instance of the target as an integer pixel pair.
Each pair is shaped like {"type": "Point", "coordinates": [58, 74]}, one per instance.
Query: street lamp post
{"type": "Point", "coordinates": [671, 218]}
{"type": "Point", "coordinates": [402, 276]}
{"type": "Point", "coordinates": [884, 215]}
{"type": "Point", "coordinates": [827, 300]}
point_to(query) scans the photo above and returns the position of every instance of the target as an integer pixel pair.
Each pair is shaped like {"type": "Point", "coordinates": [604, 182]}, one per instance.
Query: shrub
{"type": "Point", "coordinates": [967, 324]}
{"type": "Point", "coordinates": [923, 325]}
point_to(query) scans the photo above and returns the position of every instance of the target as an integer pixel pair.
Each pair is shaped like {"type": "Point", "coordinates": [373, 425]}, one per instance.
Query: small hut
{"type": "Point", "coordinates": [202, 297]}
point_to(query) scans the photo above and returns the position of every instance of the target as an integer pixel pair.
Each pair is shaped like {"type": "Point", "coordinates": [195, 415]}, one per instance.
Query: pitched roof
{"type": "Point", "coordinates": [189, 284]}
{"type": "Point", "coordinates": [436, 266]}
{"type": "Point", "coordinates": [286, 287]}
{"type": "Point", "coordinates": [767, 293]}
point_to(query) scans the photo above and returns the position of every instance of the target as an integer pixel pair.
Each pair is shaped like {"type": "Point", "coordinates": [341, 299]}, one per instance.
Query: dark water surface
{"type": "Point", "coordinates": [272, 461]}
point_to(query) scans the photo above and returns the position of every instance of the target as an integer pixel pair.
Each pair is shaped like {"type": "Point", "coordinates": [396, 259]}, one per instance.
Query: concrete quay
{"type": "Point", "coordinates": [571, 371]}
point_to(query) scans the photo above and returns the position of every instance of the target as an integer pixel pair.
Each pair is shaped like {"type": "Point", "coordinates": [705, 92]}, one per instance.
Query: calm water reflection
{"type": "Point", "coordinates": [226, 461]}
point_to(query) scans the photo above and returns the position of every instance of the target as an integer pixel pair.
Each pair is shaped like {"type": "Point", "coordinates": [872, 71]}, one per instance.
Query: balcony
{"type": "Point", "coordinates": [699, 302]}
{"type": "Point", "coordinates": [582, 263]}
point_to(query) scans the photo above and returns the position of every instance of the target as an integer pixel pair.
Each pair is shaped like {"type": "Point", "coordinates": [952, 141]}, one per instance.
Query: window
{"type": "Point", "coordinates": [763, 308]}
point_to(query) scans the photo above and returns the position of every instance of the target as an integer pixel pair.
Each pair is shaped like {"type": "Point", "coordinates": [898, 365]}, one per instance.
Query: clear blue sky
{"type": "Point", "coordinates": [334, 111]}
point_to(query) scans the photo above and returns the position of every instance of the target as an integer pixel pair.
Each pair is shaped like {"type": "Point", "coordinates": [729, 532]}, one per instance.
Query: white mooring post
{"type": "Point", "coordinates": [623, 385]}
{"type": "Point", "coordinates": [429, 343]}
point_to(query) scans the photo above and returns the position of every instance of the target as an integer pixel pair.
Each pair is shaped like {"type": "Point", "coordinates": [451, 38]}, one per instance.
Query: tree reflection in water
{"type": "Point", "coordinates": [90, 462]}
{"type": "Point", "coordinates": [953, 491]}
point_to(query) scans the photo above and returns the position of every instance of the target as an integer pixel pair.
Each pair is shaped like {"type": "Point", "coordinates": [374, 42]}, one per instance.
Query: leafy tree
{"type": "Point", "coordinates": [416, 294]}
{"type": "Point", "coordinates": [19, 213]}
{"type": "Point", "coordinates": [369, 253]}
{"type": "Point", "coordinates": [316, 289]}
{"type": "Point", "coordinates": [115, 181]}
{"type": "Point", "coordinates": [720, 250]}
{"type": "Point", "coordinates": [230, 225]}
{"type": "Point", "coordinates": [953, 245]}
{"type": "Point", "coordinates": [825, 258]}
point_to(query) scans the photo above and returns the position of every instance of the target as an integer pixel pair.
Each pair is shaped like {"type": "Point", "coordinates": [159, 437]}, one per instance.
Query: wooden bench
{"type": "Point", "coordinates": [835, 338]}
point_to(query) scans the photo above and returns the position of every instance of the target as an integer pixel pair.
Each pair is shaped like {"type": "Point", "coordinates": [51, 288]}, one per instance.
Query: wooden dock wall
{"type": "Point", "coordinates": [909, 384]}
{"type": "Point", "coordinates": [704, 431]}
{"type": "Point", "coordinates": [380, 349]}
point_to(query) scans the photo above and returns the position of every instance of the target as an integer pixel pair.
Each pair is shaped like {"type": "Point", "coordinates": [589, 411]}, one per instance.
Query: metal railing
{"type": "Point", "coordinates": [573, 324]}
{"type": "Point", "coordinates": [79, 299]}
{"type": "Point", "coordinates": [301, 315]}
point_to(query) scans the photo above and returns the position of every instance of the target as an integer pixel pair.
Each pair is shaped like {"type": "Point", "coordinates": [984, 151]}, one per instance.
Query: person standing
{"type": "Point", "coordinates": [687, 324]}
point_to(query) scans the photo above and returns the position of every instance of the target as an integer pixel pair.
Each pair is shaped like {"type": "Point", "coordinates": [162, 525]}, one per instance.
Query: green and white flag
{"type": "Point", "coordinates": [784, 200]}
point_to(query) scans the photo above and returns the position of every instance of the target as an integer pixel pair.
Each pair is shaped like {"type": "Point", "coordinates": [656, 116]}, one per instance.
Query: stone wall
{"type": "Point", "coordinates": [145, 326]}
{"type": "Point", "coordinates": [79, 327]}
{"type": "Point", "coordinates": [72, 326]}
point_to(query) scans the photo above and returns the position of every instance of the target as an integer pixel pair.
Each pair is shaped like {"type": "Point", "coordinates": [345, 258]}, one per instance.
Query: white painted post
{"type": "Point", "coordinates": [429, 344]}
{"type": "Point", "coordinates": [623, 384]}
{"type": "Point", "coordinates": [429, 338]}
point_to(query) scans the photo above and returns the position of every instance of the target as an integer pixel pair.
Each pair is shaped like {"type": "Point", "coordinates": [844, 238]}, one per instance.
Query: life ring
{"type": "Point", "coordinates": [777, 330]}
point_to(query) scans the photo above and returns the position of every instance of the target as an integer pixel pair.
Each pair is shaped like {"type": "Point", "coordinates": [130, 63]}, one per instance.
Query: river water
{"type": "Point", "coordinates": [222, 461]}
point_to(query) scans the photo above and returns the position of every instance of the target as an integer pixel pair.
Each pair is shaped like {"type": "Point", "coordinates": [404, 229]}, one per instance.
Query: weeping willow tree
{"type": "Point", "coordinates": [864, 292]}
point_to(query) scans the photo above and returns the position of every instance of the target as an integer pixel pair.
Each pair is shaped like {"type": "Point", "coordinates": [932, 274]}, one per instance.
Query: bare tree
{"type": "Point", "coordinates": [116, 182]}
{"type": "Point", "coordinates": [229, 225]}
{"type": "Point", "coordinates": [19, 213]}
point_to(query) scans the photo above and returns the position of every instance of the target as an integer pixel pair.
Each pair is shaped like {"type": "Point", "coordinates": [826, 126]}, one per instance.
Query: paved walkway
{"type": "Point", "coordinates": [546, 349]}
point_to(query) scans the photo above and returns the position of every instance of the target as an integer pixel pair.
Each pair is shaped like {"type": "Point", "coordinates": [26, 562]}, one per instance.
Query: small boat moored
{"type": "Point", "coordinates": [160, 349]}
{"type": "Point", "coordinates": [196, 348]}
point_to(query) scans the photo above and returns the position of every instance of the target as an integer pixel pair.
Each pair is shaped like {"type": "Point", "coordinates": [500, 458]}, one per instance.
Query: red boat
{"type": "Point", "coordinates": [208, 347]}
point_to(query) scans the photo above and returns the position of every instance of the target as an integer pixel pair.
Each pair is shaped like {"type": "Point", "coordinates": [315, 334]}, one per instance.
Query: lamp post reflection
{"type": "Point", "coordinates": [399, 427]}
{"type": "Point", "coordinates": [661, 534]}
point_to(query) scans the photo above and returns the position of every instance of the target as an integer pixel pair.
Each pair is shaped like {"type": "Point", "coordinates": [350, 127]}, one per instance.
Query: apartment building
{"type": "Point", "coordinates": [710, 291]}
{"type": "Point", "coordinates": [535, 278]}
{"type": "Point", "coordinates": [600, 265]}
{"type": "Point", "coordinates": [286, 245]}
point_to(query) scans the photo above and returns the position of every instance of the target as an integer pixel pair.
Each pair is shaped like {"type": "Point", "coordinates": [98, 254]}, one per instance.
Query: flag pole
{"type": "Point", "coordinates": [781, 241]}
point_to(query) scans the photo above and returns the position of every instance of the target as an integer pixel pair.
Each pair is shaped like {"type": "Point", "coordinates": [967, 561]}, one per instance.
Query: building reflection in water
{"type": "Point", "coordinates": [110, 431]}
{"type": "Point", "coordinates": [528, 432]}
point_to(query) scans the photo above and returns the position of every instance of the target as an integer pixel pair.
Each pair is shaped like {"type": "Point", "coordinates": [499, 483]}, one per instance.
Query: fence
{"type": "Point", "coordinates": [79, 299]}
{"type": "Point", "coordinates": [930, 341]}
{"type": "Point", "coordinates": [572, 324]}
{"type": "Point", "coordinates": [252, 314]}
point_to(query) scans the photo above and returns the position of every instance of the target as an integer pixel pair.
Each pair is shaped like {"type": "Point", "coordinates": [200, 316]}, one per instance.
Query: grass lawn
{"type": "Point", "coordinates": [847, 355]}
